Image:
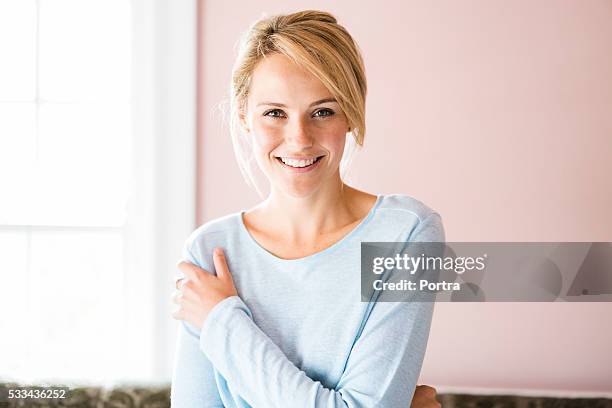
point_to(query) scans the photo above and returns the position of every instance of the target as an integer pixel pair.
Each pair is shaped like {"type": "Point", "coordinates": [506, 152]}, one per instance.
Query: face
{"type": "Point", "coordinates": [297, 128]}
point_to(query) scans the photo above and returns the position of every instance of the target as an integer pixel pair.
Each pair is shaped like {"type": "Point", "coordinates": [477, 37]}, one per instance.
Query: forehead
{"type": "Point", "coordinates": [276, 78]}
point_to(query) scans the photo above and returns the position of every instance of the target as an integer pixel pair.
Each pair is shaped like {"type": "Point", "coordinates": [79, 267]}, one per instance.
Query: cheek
{"type": "Point", "coordinates": [265, 137]}
{"type": "Point", "coordinates": [338, 147]}
{"type": "Point", "coordinates": [334, 138]}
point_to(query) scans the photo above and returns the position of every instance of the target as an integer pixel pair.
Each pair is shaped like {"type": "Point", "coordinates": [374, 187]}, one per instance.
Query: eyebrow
{"type": "Point", "coordinates": [320, 101]}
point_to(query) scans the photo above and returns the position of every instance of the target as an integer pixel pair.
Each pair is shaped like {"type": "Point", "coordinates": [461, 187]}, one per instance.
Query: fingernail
{"type": "Point", "coordinates": [218, 251]}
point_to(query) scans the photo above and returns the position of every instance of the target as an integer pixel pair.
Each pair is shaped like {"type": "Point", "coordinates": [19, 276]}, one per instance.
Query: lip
{"type": "Point", "coordinates": [310, 168]}
{"type": "Point", "coordinates": [300, 157]}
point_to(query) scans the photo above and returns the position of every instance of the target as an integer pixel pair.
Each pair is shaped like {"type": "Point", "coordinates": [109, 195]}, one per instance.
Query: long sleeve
{"type": "Point", "coordinates": [381, 371]}
{"type": "Point", "coordinates": [193, 380]}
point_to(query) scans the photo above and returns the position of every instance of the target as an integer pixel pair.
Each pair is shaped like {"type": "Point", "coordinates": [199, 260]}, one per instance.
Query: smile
{"type": "Point", "coordinates": [299, 166]}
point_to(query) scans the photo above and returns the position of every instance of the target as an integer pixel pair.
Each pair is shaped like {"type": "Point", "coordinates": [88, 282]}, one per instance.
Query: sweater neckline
{"type": "Point", "coordinates": [335, 246]}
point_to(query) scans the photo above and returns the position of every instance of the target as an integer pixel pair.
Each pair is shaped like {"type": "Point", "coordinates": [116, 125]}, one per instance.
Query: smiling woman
{"type": "Point", "coordinates": [269, 299]}
{"type": "Point", "coordinates": [331, 62]}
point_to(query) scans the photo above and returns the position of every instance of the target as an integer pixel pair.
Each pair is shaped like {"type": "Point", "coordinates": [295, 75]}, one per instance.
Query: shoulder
{"type": "Point", "coordinates": [424, 222]}
{"type": "Point", "coordinates": [221, 225]}
{"type": "Point", "coordinates": [405, 205]}
{"type": "Point", "coordinates": [216, 232]}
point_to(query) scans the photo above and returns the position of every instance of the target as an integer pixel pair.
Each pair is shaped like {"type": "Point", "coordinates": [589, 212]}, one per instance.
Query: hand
{"type": "Point", "coordinates": [425, 397]}
{"type": "Point", "coordinates": [200, 291]}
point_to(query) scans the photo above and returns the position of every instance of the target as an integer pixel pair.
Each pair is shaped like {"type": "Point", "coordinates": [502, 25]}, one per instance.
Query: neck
{"type": "Point", "coordinates": [303, 220]}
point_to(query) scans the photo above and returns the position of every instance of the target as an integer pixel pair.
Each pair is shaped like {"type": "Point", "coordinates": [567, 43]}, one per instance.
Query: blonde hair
{"type": "Point", "coordinates": [315, 41]}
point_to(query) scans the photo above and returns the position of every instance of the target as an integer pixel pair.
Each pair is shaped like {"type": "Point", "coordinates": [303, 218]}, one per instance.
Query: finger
{"type": "Point", "coordinates": [191, 271]}
{"type": "Point", "coordinates": [431, 391]}
{"type": "Point", "coordinates": [178, 314]}
{"type": "Point", "coordinates": [176, 297]}
{"type": "Point", "coordinates": [221, 265]}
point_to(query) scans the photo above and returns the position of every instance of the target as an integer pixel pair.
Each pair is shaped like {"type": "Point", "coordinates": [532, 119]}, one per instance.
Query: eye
{"type": "Point", "coordinates": [275, 113]}
{"type": "Point", "coordinates": [321, 113]}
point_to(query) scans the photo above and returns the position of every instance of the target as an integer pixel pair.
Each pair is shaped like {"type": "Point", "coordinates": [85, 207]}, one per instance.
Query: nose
{"type": "Point", "coordinates": [298, 135]}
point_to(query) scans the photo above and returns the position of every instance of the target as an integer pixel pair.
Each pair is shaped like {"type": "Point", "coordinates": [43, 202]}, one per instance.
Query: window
{"type": "Point", "coordinates": [82, 277]}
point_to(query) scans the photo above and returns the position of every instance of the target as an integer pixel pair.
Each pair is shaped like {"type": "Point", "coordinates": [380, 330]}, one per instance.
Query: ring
{"type": "Point", "coordinates": [177, 281]}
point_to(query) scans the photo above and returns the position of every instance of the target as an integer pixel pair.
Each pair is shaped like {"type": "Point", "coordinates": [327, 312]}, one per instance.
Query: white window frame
{"type": "Point", "coordinates": [162, 208]}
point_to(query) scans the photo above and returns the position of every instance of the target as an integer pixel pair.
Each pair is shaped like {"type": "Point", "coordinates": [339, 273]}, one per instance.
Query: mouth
{"type": "Point", "coordinates": [299, 165]}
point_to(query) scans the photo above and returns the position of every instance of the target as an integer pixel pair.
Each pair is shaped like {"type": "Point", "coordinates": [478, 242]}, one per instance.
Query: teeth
{"type": "Point", "coordinates": [297, 163]}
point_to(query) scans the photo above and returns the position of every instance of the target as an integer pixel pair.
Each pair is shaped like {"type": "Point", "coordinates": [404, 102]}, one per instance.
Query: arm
{"type": "Point", "coordinates": [381, 371]}
{"type": "Point", "coordinates": [193, 381]}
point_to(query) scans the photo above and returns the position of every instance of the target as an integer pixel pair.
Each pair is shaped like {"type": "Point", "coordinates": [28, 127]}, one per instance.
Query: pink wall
{"type": "Point", "coordinates": [508, 107]}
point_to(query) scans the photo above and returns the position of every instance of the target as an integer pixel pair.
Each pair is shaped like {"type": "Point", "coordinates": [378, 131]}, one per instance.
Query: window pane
{"type": "Point", "coordinates": [85, 50]}
{"type": "Point", "coordinates": [18, 50]}
{"type": "Point", "coordinates": [17, 161]}
{"type": "Point", "coordinates": [84, 164]}
{"type": "Point", "coordinates": [76, 288]}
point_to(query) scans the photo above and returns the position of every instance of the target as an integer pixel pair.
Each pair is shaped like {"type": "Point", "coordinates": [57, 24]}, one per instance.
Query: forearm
{"type": "Point", "coordinates": [381, 371]}
{"type": "Point", "coordinates": [256, 367]}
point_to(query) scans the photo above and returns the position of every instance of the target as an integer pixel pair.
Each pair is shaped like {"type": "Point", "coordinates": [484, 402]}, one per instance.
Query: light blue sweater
{"type": "Point", "coordinates": [298, 334]}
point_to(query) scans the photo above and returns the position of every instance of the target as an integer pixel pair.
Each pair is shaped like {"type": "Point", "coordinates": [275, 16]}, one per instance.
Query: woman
{"type": "Point", "coordinates": [270, 297]}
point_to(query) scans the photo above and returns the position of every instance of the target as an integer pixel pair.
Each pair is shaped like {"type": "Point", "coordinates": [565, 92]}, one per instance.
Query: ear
{"type": "Point", "coordinates": [243, 121]}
